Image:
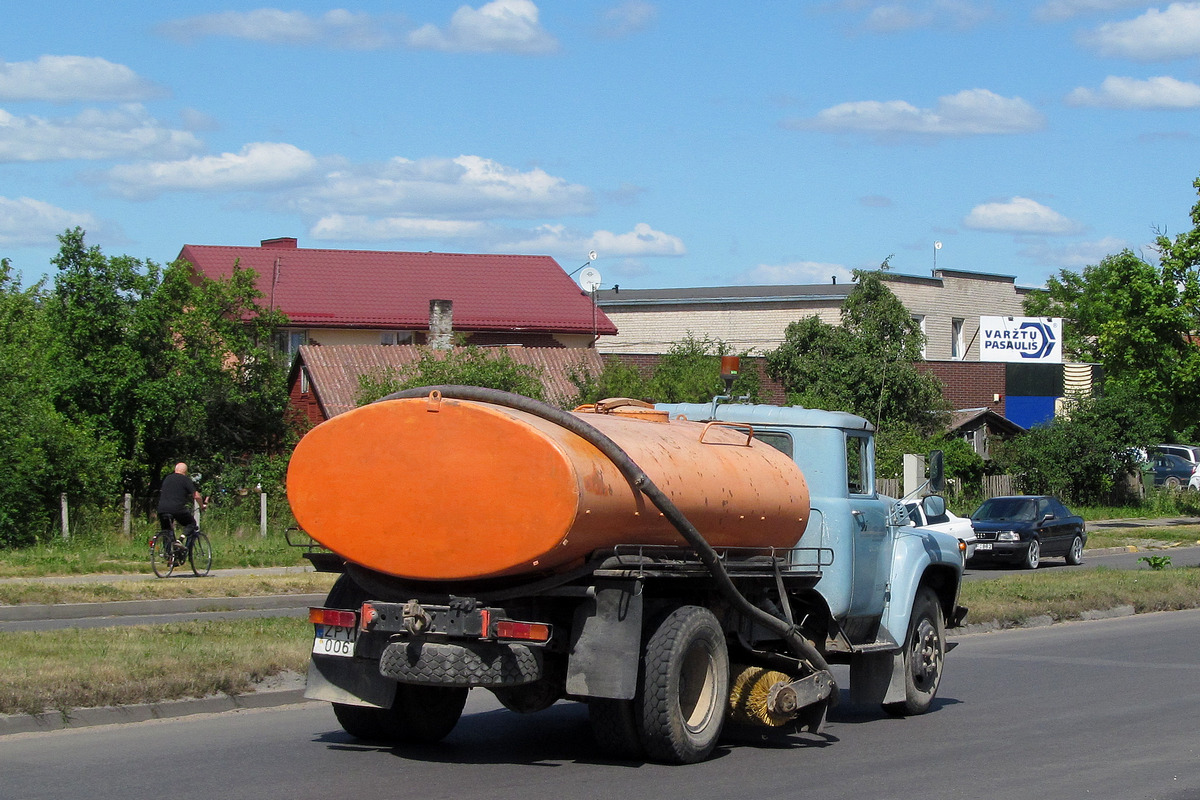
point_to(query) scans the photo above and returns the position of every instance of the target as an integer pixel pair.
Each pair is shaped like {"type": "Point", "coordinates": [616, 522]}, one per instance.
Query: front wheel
{"type": "Point", "coordinates": [1033, 556]}
{"type": "Point", "coordinates": [200, 555]}
{"type": "Point", "coordinates": [162, 559]}
{"type": "Point", "coordinates": [419, 715]}
{"type": "Point", "coordinates": [685, 687]}
{"type": "Point", "coordinates": [924, 653]}
{"type": "Point", "coordinates": [1075, 554]}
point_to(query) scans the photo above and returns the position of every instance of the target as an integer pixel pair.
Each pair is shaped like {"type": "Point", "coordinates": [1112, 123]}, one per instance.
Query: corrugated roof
{"type": "Point", "coordinates": [333, 370]}
{"type": "Point", "coordinates": [392, 289]}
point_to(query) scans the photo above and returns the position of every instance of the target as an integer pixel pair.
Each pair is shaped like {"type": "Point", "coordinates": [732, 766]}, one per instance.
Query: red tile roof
{"type": "Point", "coordinates": [333, 370]}
{"type": "Point", "coordinates": [391, 290]}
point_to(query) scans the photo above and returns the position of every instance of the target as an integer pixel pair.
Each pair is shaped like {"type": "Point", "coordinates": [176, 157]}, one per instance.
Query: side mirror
{"type": "Point", "coordinates": [937, 471]}
{"type": "Point", "coordinates": [934, 505]}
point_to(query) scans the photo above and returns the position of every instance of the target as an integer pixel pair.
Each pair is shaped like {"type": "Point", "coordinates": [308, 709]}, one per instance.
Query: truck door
{"type": "Point", "coordinates": [872, 539]}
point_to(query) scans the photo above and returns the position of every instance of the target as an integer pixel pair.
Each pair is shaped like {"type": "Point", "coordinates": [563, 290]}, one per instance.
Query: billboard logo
{"type": "Point", "coordinates": [1021, 339]}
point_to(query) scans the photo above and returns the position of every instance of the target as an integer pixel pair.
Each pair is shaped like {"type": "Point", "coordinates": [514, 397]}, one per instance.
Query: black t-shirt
{"type": "Point", "coordinates": [177, 494]}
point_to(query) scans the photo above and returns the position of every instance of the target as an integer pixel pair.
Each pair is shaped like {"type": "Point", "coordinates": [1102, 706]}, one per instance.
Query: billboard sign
{"type": "Point", "coordinates": [1028, 340]}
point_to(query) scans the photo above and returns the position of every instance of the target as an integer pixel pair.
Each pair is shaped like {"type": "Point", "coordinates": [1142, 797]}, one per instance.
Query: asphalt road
{"type": "Point", "coordinates": [1104, 709]}
{"type": "Point", "coordinates": [1180, 557]}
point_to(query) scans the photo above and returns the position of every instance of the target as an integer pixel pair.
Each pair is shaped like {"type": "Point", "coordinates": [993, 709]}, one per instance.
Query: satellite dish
{"type": "Point", "coordinates": [589, 279]}
{"type": "Point", "coordinates": [591, 255]}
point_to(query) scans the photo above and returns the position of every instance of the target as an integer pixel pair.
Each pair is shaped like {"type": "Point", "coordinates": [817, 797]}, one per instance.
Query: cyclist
{"type": "Point", "coordinates": [175, 500]}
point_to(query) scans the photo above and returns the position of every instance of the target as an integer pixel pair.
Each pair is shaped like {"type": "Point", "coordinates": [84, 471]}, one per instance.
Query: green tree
{"type": "Point", "coordinates": [1085, 456]}
{"type": "Point", "coordinates": [1138, 320]}
{"type": "Point", "coordinates": [866, 365]}
{"type": "Point", "coordinates": [462, 366]}
{"type": "Point", "coordinates": [689, 372]}
{"type": "Point", "coordinates": [163, 364]}
{"type": "Point", "coordinates": [45, 453]}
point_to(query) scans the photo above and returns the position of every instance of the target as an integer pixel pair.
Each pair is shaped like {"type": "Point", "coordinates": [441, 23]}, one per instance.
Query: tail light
{"type": "Point", "coordinates": [526, 631]}
{"type": "Point", "coordinates": [332, 616]}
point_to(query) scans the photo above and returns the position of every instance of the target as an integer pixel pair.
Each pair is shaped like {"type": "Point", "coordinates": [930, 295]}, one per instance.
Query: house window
{"type": "Point", "coordinates": [288, 341]}
{"type": "Point", "coordinates": [395, 337]}
{"type": "Point", "coordinates": [956, 339]}
{"type": "Point", "coordinates": [920, 320]}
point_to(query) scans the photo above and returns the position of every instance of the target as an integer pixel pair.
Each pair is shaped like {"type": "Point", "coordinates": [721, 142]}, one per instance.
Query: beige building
{"type": "Point", "coordinates": [948, 305]}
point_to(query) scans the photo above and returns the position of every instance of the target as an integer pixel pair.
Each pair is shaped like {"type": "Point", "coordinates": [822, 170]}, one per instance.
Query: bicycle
{"type": "Point", "coordinates": [167, 553]}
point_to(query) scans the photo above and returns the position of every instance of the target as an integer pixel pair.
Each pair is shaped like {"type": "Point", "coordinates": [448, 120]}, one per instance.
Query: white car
{"type": "Point", "coordinates": [931, 513]}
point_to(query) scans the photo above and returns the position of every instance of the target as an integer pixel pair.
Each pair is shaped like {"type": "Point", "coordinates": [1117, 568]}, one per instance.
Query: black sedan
{"type": "Point", "coordinates": [1026, 528]}
{"type": "Point", "coordinates": [1170, 470]}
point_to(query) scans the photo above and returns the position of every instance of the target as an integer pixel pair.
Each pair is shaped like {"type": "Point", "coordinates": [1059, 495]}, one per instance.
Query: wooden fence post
{"type": "Point", "coordinates": [66, 525]}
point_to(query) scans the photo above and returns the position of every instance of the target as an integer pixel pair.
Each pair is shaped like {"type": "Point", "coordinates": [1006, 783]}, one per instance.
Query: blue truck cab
{"type": "Point", "coordinates": [881, 569]}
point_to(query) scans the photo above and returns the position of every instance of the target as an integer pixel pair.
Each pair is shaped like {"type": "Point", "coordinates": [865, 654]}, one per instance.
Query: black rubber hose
{"type": "Point", "coordinates": [799, 645]}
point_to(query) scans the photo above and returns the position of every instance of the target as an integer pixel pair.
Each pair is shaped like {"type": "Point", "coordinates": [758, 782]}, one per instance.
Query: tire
{"type": "Point", "coordinates": [1172, 482]}
{"type": "Point", "coordinates": [1033, 556]}
{"type": "Point", "coordinates": [924, 655]}
{"type": "Point", "coordinates": [200, 556]}
{"type": "Point", "coordinates": [684, 695]}
{"type": "Point", "coordinates": [1075, 554]}
{"type": "Point", "coordinates": [615, 728]}
{"type": "Point", "coordinates": [419, 715]}
{"type": "Point", "coordinates": [161, 559]}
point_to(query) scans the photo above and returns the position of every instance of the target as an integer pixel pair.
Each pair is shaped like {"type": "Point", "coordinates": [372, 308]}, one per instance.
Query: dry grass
{"type": "Point", "coordinates": [1162, 536]}
{"type": "Point", "coordinates": [21, 592]}
{"type": "Point", "coordinates": [118, 666]}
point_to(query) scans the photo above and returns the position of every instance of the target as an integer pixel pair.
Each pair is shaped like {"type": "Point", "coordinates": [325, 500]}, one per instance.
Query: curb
{"type": "Point", "coordinates": [181, 605]}
{"type": "Point", "coordinates": [291, 694]}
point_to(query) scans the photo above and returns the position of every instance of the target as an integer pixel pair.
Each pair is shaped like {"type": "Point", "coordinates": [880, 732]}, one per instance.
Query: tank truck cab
{"type": "Point", "coordinates": [890, 589]}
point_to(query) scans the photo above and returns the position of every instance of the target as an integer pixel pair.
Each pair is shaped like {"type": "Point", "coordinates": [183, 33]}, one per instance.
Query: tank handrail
{"type": "Point", "coordinates": [737, 426]}
{"type": "Point", "coordinates": [638, 479]}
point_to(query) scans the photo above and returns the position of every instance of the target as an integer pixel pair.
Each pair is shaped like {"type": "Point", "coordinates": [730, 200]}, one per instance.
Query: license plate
{"type": "Point", "coordinates": [334, 641]}
{"type": "Point", "coordinates": [984, 546]}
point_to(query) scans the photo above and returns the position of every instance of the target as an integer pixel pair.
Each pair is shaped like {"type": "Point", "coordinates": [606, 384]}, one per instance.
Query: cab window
{"type": "Point", "coordinates": [858, 465]}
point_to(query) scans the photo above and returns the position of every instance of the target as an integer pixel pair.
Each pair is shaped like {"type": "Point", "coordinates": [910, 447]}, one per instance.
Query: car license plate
{"type": "Point", "coordinates": [334, 641]}
{"type": "Point", "coordinates": [984, 546]}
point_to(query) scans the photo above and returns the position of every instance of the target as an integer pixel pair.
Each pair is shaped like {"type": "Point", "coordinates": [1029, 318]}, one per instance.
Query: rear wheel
{"type": "Point", "coordinates": [685, 687]}
{"type": "Point", "coordinates": [162, 560]}
{"type": "Point", "coordinates": [1033, 556]}
{"type": "Point", "coordinates": [924, 653]}
{"type": "Point", "coordinates": [615, 728]}
{"type": "Point", "coordinates": [200, 555]}
{"type": "Point", "coordinates": [419, 715]}
{"type": "Point", "coordinates": [1075, 554]}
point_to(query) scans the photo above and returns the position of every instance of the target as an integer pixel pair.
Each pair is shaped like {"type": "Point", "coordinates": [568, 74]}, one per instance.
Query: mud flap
{"type": "Point", "coordinates": [606, 646]}
{"type": "Point", "coordinates": [877, 678]}
{"type": "Point", "coordinates": [350, 681]}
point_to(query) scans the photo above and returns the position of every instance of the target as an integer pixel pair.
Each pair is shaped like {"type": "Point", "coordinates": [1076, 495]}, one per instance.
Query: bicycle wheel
{"type": "Point", "coordinates": [162, 560]}
{"type": "Point", "coordinates": [200, 555]}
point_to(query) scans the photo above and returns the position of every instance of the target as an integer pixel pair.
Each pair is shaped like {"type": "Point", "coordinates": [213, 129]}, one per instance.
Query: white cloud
{"type": "Point", "coordinates": [903, 15]}
{"type": "Point", "coordinates": [554, 239]}
{"type": "Point", "coordinates": [627, 19]}
{"type": "Point", "coordinates": [468, 186]}
{"type": "Point", "coordinates": [357, 227]}
{"type": "Point", "coordinates": [1020, 215]}
{"type": "Point", "coordinates": [796, 272]}
{"type": "Point", "coordinates": [25, 222]}
{"type": "Point", "coordinates": [1153, 93]}
{"type": "Point", "coordinates": [61, 79]}
{"type": "Point", "coordinates": [1077, 255]}
{"type": "Point", "coordinates": [1057, 10]}
{"type": "Point", "coordinates": [501, 26]}
{"type": "Point", "coordinates": [1156, 35]}
{"type": "Point", "coordinates": [92, 134]}
{"type": "Point", "coordinates": [968, 113]}
{"type": "Point", "coordinates": [337, 28]}
{"type": "Point", "coordinates": [259, 166]}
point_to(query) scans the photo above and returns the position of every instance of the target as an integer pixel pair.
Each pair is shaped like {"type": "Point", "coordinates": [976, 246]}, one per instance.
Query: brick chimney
{"type": "Point", "coordinates": [441, 324]}
{"type": "Point", "coordinates": [282, 243]}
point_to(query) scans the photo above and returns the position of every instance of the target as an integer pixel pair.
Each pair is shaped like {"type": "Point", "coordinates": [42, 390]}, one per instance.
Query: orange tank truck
{"type": "Point", "coordinates": [437, 489]}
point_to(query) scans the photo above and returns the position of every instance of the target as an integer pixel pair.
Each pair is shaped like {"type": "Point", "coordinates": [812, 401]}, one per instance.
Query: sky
{"type": "Point", "coordinates": [686, 143]}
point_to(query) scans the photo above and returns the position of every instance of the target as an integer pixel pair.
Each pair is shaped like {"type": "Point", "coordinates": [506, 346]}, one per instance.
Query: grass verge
{"type": "Point", "coordinates": [78, 668]}
{"type": "Point", "coordinates": [1160, 536]}
{"type": "Point", "coordinates": [1011, 600]}
{"type": "Point", "coordinates": [19, 593]}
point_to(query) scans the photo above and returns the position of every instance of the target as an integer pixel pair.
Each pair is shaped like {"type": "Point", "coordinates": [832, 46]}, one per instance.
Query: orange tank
{"type": "Point", "coordinates": [438, 489]}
